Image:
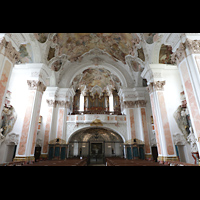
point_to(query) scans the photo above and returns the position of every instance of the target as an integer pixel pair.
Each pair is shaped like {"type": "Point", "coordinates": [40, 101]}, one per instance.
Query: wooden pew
{"type": "Point", "coordinates": [124, 162]}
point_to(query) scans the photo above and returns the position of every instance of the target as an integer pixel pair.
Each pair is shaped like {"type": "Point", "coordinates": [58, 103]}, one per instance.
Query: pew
{"type": "Point", "coordinates": [124, 162]}
{"type": "Point", "coordinates": [67, 162]}
{"type": "Point", "coordinates": [111, 161]}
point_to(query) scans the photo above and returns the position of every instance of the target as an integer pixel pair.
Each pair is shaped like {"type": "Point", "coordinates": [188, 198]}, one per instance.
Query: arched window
{"type": "Point", "coordinates": [81, 102]}
{"type": "Point", "coordinates": [111, 103]}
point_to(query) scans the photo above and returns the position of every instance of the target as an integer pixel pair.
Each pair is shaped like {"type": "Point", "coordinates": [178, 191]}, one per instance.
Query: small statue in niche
{"type": "Point", "coordinates": [192, 140]}
{"type": "Point", "coordinates": [180, 117]}
{"type": "Point", "coordinates": [8, 117]}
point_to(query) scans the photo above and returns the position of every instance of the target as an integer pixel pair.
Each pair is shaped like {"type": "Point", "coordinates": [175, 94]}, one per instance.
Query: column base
{"type": "Point", "coordinates": [44, 156]}
{"type": "Point", "coordinates": [167, 158]}
{"type": "Point", "coordinates": [24, 158]}
{"type": "Point", "coordinates": [148, 156]}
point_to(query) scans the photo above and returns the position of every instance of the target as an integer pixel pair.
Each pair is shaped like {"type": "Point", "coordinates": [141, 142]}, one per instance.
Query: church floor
{"type": "Point", "coordinates": [111, 161]}
{"type": "Point", "coordinates": [97, 165]}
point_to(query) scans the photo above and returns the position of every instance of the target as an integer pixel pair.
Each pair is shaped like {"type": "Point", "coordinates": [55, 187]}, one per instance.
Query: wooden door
{"type": "Point", "coordinates": [37, 153]}
{"type": "Point", "coordinates": [154, 153]}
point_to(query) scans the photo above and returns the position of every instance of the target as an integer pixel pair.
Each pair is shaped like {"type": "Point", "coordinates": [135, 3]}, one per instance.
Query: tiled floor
{"type": "Point", "coordinates": [96, 165]}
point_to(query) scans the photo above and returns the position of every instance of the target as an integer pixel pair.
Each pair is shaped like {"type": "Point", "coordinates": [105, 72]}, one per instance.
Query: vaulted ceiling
{"type": "Point", "coordinates": [74, 45]}
{"type": "Point", "coordinates": [124, 48]}
{"type": "Point", "coordinates": [67, 53]}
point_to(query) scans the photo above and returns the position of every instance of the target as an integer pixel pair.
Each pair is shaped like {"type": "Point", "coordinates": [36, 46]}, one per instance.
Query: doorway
{"type": "Point", "coordinates": [37, 153]}
{"type": "Point", "coordinates": [96, 144]}
{"type": "Point", "coordinates": [96, 153]}
{"type": "Point", "coordinates": [154, 153]}
{"type": "Point", "coordinates": [181, 153]}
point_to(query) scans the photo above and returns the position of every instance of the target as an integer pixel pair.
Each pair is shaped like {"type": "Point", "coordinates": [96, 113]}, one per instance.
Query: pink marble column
{"type": "Point", "coordinates": [60, 123]}
{"type": "Point", "coordinates": [47, 130]}
{"type": "Point", "coordinates": [129, 107]}
{"type": "Point", "coordinates": [8, 57]}
{"type": "Point", "coordinates": [166, 149]}
{"type": "Point", "coordinates": [62, 112]}
{"type": "Point", "coordinates": [145, 131]}
{"type": "Point", "coordinates": [4, 81]}
{"type": "Point", "coordinates": [132, 123]}
{"type": "Point", "coordinates": [26, 124]}
{"type": "Point", "coordinates": [187, 57]}
{"type": "Point", "coordinates": [192, 101]}
{"type": "Point", "coordinates": [36, 122]}
{"type": "Point", "coordinates": [165, 124]}
{"type": "Point", "coordinates": [29, 129]}
{"type": "Point", "coordinates": [155, 123]}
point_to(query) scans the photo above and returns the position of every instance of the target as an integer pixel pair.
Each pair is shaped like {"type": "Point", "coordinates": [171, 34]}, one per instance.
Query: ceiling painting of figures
{"type": "Point", "coordinates": [96, 76]}
{"type": "Point", "coordinates": [118, 45]}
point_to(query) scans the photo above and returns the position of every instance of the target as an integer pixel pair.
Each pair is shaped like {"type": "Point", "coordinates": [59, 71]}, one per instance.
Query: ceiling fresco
{"type": "Point", "coordinates": [41, 37]}
{"type": "Point", "coordinates": [97, 76]}
{"type": "Point", "coordinates": [150, 38]}
{"type": "Point", "coordinates": [118, 45]}
{"type": "Point", "coordinates": [25, 55]}
{"type": "Point", "coordinates": [136, 67]}
{"type": "Point", "coordinates": [165, 54]}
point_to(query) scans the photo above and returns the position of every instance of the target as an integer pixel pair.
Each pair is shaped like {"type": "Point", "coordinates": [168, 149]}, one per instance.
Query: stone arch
{"type": "Point", "coordinates": [89, 127]}
{"type": "Point", "coordinates": [79, 69]}
{"type": "Point", "coordinates": [155, 52]}
{"type": "Point", "coordinates": [37, 54]}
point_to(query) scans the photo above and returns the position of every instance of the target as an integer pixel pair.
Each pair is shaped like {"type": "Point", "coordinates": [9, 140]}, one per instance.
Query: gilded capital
{"type": "Point", "coordinates": [129, 104]}
{"type": "Point", "coordinates": [51, 103]}
{"type": "Point", "coordinates": [193, 45]}
{"type": "Point", "coordinates": [63, 104]}
{"type": "Point", "coordinates": [179, 54]}
{"type": "Point", "coordinates": [156, 86]}
{"type": "Point", "coordinates": [54, 103]}
{"type": "Point", "coordinates": [135, 104]}
{"type": "Point", "coordinates": [36, 85]}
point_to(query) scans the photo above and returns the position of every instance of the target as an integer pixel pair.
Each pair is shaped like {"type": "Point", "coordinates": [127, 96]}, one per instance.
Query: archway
{"type": "Point", "coordinates": [96, 144]}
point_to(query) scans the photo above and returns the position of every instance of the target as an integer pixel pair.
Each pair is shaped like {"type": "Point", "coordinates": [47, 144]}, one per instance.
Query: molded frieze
{"type": "Point", "coordinates": [135, 104]}
{"type": "Point", "coordinates": [193, 45]}
{"type": "Point", "coordinates": [73, 127]}
{"type": "Point", "coordinates": [36, 85]}
{"type": "Point", "coordinates": [157, 86]}
{"type": "Point", "coordinates": [53, 103]}
{"type": "Point", "coordinates": [179, 54]}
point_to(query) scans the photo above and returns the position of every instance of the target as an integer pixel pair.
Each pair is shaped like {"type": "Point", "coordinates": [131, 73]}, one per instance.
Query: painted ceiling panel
{"type": "Point", "coordinates": [97, 76]}
{"type": "Point", "coordinates": [118, 45]}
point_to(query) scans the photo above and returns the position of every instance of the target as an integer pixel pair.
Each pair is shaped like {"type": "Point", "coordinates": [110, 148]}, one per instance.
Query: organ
{"type": "Point", "coordinates": [96, 103]}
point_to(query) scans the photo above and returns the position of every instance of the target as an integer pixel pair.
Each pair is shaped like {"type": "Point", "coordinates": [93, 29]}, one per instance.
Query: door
{"type": "Point", "coordinates": [37, 153]}
{"type": "Point", "coordinates": [141, 153]}
{"type": "Point", "coordinates": [135, 152]}
{"type": "Point", "coordinates": [15, 148]}
{"type": "Point", "coordinates": [96, 153]}
{"type": "Point", "coordinates": [154, 153]}
{"type": "Point", "coordinates": [181, 153]}
{"type": "Point", "coordinates": [63, 151]}
{"type": "Point", "coordinates": [50, 153]}
{"type": "Point", "coordinates": [129, 153]}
